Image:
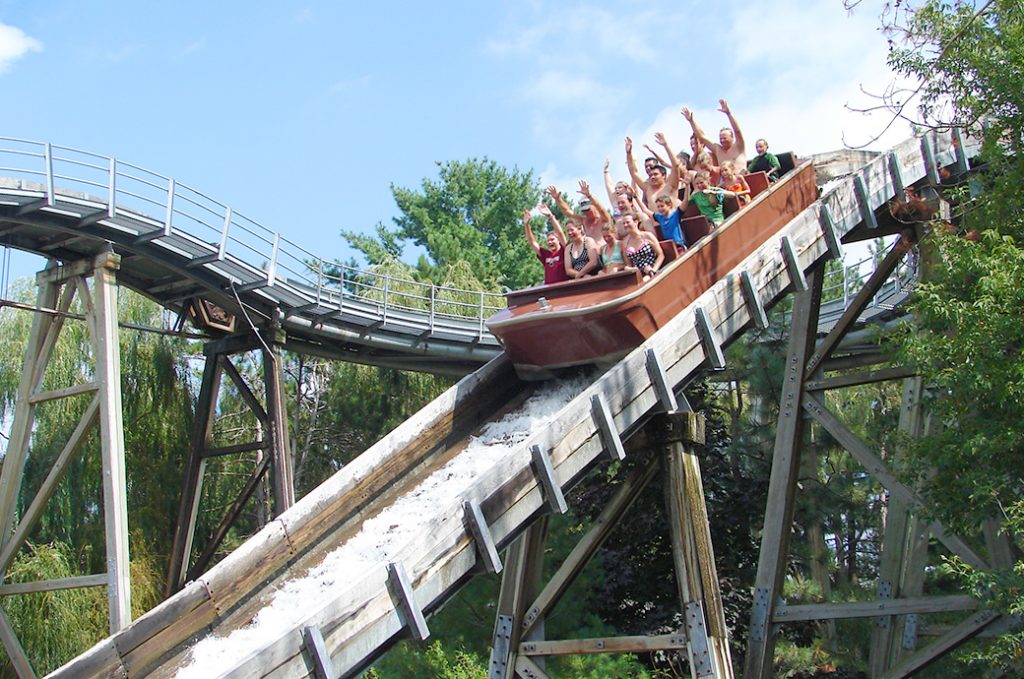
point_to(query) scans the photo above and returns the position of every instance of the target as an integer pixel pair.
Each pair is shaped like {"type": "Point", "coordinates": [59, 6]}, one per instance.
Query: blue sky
{"type": "Point", "coordinates": [300, 115]}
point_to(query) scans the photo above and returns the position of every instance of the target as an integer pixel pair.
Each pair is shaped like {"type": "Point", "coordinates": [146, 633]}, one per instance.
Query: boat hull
{"type": "Point", "coordinates": [602, 318]}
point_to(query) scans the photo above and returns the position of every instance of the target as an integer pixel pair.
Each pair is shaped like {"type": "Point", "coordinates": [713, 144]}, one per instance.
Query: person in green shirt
{"type": "Point", "coordinates": [764, 161]}
{"type": "Point", "coordinates": [709, 199]}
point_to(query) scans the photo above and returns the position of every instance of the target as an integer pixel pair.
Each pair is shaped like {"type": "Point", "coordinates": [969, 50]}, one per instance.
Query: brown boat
{"type": "Point", "coordinates": [599, 319]}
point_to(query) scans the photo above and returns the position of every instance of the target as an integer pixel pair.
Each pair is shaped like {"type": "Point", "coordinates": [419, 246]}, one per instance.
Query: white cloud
{"type": "Point", "coordinates": [14, 44]}
{"type": "Point", "coordinates": [193, 47]}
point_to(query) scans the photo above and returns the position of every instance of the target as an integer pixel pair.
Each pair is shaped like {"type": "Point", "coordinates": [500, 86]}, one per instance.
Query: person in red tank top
{"type": "Point", "coordinates": [550, 256]}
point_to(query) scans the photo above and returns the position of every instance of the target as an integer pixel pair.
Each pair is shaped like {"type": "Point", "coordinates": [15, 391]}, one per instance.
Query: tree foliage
{"type": "Point", "coordinates": [472, 213]}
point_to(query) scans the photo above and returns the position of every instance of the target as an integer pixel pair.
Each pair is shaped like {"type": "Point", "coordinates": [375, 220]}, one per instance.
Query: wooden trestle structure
{"type": "Point", "coordinates": [635, 402]}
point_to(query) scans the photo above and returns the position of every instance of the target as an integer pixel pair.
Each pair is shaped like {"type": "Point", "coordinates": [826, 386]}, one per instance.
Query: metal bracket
{"type": "Point", "coordinates": [910, 631]}
{"type": "Point", "coordinates": [759, 616]}
{"type": "Point", "coordinates": [929, 159]}
{"type": "Point", "coordinates": [896, 174]}
{"type": "Point", "coordinates": [485, 546]}
{"type": "Point", "coordinates": [796, 274]}
{"type": "Point", "coordinates": [500, 648]}
{"type": "Point", "coordinates": [606, 427]}
{"type": "Point", "coordinates": [546, 476]}
{"type": "Point", "coordinates": [709, 340]}
{"type": "Point", "coordinates": [752, 300]}
{"type": "Point", "coordinates": [884, 592]}
{"type": "Point", "coordinates": [962, 165]}
{"type": "Point", "coordinates": [860, 190]}
{"type": "Point", "coordinates": [405, 601]}
{"type": "Point", "coordinates": [313, 640]}
{"type": "Point", "coordinates": [697, 634]}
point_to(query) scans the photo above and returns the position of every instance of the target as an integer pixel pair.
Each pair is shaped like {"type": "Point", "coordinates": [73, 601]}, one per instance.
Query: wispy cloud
{"type": "Point", "coordinates": [194, 47]}
{"type": "Point", "coordinates": [305, 15]}
{"type": "Point", "coordinates": [350, 85]}
{"type": "Point", "coordinates": [14, 44]}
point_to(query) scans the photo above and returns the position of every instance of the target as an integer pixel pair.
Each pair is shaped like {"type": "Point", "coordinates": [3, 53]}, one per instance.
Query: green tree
{"type": "Point", "coordinates": [967, 333]}
{"type": "Point", "coordinates": [472, 213]}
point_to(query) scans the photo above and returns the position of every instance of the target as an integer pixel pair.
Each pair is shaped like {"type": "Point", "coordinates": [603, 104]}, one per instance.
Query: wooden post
{"type": "Point", "coordinates": [692, 552]}
{"type": "Point", "coordinates": [520, 585]}
{"type": "Point", "coordinates": [107, 357]}
{"type": "Point", "coordinates": [782, 483]}
{"type": "Point", "coordinates": [277, 429]}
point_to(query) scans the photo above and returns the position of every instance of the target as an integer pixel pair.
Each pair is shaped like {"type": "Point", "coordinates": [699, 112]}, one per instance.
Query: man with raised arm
{"type": "Point", "coordinates": [657, 183]}
{"type": "Point", "coordinates": [592, 213]}
{"type": "Point", "coordinates": [730, 144]}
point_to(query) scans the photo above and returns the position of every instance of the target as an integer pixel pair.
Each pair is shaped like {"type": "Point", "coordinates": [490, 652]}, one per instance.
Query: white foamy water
{"type": "Point", "coordinates": [381, 537]}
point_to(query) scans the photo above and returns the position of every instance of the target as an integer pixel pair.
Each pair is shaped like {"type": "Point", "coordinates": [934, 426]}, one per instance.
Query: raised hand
{"type": "Point", "coordinates": [723, 106]}
{"type": "Point", "coordinates": [629, 145]}
{"type": "Point", "coordinates": [660, 138]}
{"type": "Point", "coordinates": [526, 216]}
{"type": "Point", "coordinates": [553, 192]}
{"type": "Point", "coordinates": [687, 113]}
{"type": "Point", "coordinates": [607, 164]}
{"type": "Point", "coordinates": [544, 209]}
{"type": "Point", "coordinates": [584, 188]}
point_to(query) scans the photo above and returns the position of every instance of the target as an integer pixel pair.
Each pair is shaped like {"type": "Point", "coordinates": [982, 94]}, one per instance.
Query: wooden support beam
{"type": "Point", "coordinates": [796, 274]}
{"type": "Point", "coordinates": [709, 339]}
{"type": "Point", "coordinates": [54, 394]}
{"type": "Point", "coordinates": [963, 632]}
{"type": "Point", "coordinates": [828, 230]}
{"type": "Point", "coordinates": [12, 588]}
{"type": "Point", "coordinates": [313, 639]}
{"type": "Point", "coordinates": [860, 301]}
{"type": "Point", "coordinates": [609, 518]}
{"type": "Point", "coordinates": [659, 380]}
{"type": "Point", "coordinates": [277, 430]}
{"type": "Point", "coordinates": [606, 427]}
{"type": "Point", "coordinates": [243, 387]}
{"type": "Point", "coordinates": [485, 547]}
{"type": "Point", "coordinates": [778, 519]}
{"type": "Point", "coordinates": [15, 653]}
{"type": "Point", "coordinates": [220, 451]}
{"type": "Point", "coordinates": [880, 472]}
{"type": "Point", "coordinates": [545, 474]}
{"type": "Point", "coordinates": [870, 609]}
{"type": "Point", "coordinates": [859, 378]}
{"type": "Point", "coordinates": [192, 484]}
{"type": "Point", "coordinates": [520, 584]}
{"type": "Point", "coordinates": [860, 191]}
{"type": "Point", "coordinates": [633, 644]}
{"type": "Point", "coordinates": [404, 598]}
{"type": "Point", "coordinates": [528, 669]}
{"type": "Point", "coordinates": [107, 358]}
{"type": "Point", "coordinates": [752, 300]}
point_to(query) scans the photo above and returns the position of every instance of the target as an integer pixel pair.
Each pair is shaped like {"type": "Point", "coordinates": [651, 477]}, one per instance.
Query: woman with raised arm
{"type": "Point", "coordinates": [551, 256]}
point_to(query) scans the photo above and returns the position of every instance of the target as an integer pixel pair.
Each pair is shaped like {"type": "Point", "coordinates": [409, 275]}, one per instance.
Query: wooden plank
{"type": "Point", "coordinates": [867, 214]}
{"type": "Point", "coordinates": [796, 273]}
{"type": "Point", "coordinates": [528, 669]}
{"type": "Point", "coordinates": [859, 378]}
{"type": "Point", "coordinates": [55, 394]}
{"type": "Point", "coordinates": [752, 300]}
{"type": "Point", "coordinates": [628, 644]}
{"type": "Point", "coordinates": [53, 585]}
{"type": "Point", "coordinates": [828, 230]}
{"type": "Point", "coordinates": [659, 380]}
{"type": "Point", "coordinates": [482, 537]}
{"type": "Point", "coordinates": [870, 609]}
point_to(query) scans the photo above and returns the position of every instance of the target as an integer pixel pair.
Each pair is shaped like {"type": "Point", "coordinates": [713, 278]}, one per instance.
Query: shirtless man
{"type": "Point", "coordinates": [592, 213]}
{"type": "Point", "coordinates": [656, 183]}
{"type": "Point", "coordinates": [730, 144]}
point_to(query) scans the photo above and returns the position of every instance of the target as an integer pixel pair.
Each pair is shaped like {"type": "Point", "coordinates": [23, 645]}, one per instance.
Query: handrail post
{"type": "Point", "coordinates": [433, 305]}
{"type": "Point", "coordinates": [48, 159]}
{"type": "Point", "coordinates": [272, 268]}
{"type": "Point", "coordinates": [387, 291]}
{"type": "Point", "coordinates": [480, 331]}
{"type": "Point", "coordinates": [112, 189]}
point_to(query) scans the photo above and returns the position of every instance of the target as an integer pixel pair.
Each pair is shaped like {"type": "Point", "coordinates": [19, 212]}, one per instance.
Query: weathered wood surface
{"type": "Point", "coordinates": [362, 621]}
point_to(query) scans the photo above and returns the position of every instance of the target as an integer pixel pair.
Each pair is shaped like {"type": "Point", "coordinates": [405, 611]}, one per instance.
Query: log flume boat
{"type": "Point", "coordinates": [602, 318]}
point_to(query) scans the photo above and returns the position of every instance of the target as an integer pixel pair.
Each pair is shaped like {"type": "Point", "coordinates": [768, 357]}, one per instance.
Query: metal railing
{"type": "Point", "coordinates": [167, 207]}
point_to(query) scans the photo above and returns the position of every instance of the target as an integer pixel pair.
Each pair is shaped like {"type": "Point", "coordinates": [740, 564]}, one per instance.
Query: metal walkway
{"type": "Point", "coordinates": [356, 623]}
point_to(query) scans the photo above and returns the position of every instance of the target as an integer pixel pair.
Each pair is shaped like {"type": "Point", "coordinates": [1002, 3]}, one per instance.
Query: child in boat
{"type": "Point", "coordinates": [733, 181]}
{"type": "Point", "coordinates": [550, 256]}
{"type": "Point", "coordinates": [708, 199]}
{"type": "Point", "coordinates": [706, 162]}
{"type": "Point", "coordinates": [764, 161]}
{"type": "Point", "coordinates": [669, 219]}
{"type": "Point", "coordinates": [611, 251]}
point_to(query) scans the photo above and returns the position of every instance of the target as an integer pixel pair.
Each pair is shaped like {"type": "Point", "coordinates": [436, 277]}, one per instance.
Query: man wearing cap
{"type": "Point", "coordinates": [592, 213]}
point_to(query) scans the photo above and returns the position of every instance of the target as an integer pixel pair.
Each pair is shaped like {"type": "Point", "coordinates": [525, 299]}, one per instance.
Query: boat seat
{"type": "Point", "coordinates": [758, 182]}
{"type": "Point", "coordinates": [695, 228]}
{"type": "Point", "coordinates": [787, 161]}
{"type": "Point", "coordinates": [669, 248]}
